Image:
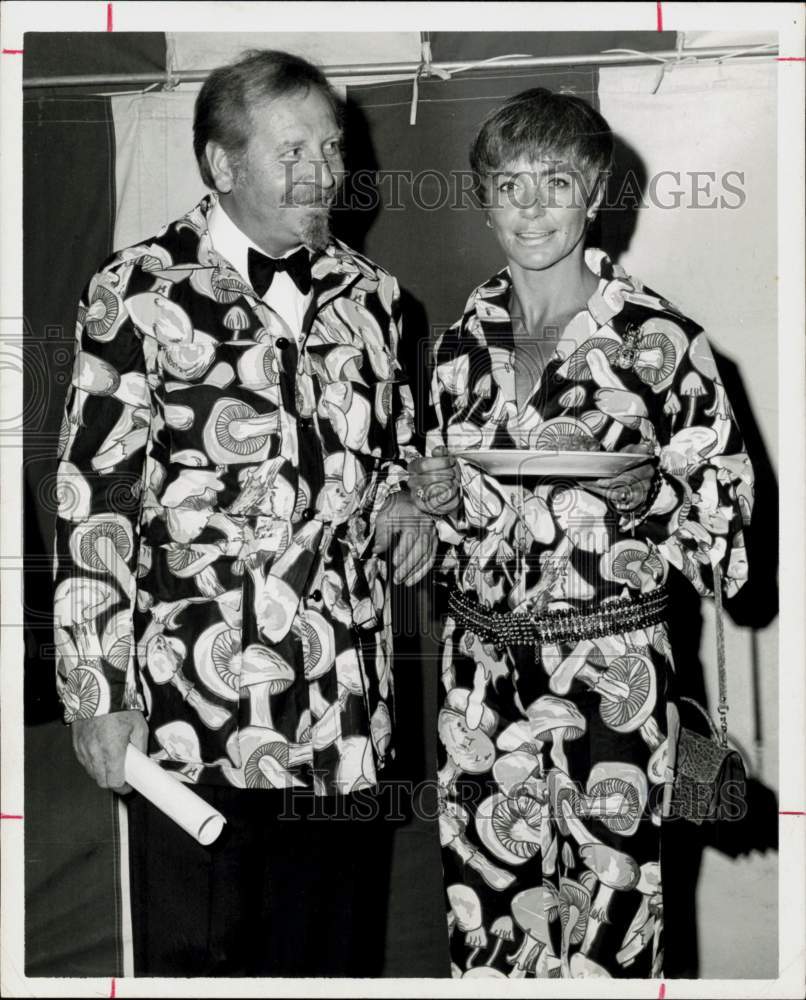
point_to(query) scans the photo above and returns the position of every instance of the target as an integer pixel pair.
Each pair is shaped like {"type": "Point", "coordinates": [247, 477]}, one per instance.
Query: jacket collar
{"type": "Point", "coordinates": [490, 301]}
{"type": "Point", "coordinates": [333, 269]}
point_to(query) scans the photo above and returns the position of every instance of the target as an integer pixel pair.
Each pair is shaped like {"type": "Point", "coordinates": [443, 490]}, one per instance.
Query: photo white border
{"type": "Point", "coordinates": [788, 19]}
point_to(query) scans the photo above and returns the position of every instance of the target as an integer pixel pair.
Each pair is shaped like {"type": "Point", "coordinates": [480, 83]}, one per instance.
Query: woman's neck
{"type": "Point", "coordinates": [549, 296]}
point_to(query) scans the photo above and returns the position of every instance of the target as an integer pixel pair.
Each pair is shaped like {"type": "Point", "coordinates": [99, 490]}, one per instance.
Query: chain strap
{"type": "Point", "coordinates": [704, 714]}
{"type": "Point", "coordinates": [720, 657]}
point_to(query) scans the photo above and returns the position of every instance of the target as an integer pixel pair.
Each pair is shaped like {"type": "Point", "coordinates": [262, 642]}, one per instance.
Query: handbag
{"type": "Point", "coordinates": [710, 778]}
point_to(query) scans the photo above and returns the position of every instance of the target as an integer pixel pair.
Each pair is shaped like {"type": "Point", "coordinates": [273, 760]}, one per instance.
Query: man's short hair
{"type": "Point", "coordinates": [539, 124]}
{"type": "Point", "coordinates": [222, 110]}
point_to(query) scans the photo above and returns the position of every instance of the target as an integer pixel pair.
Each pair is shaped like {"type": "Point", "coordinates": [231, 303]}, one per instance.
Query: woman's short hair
{"type": "Point", "coordinates": [539, 124]}
{"type": "Point", "coordinates": [223, 104]}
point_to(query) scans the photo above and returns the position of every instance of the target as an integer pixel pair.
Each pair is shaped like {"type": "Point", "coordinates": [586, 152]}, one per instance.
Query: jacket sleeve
{"type": "Point", "coordinates": [704, 497]}
{"type": "Point", "coordinates": [102, 447]}
{"type": "Point", "coordinates": [436, 431]}
{"type": "Point", "coordinates": [396, 410]}
{"type": "Point", "coordinates": [403, 401]}
{"type": "Point", "coordinates": [450, 423]}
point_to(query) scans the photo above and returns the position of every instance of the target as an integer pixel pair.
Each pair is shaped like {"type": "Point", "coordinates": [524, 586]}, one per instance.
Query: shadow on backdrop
{"type": "Point", "coordinates": [616, 222]}
{"type": "Point", "coordinates": [754, 607]}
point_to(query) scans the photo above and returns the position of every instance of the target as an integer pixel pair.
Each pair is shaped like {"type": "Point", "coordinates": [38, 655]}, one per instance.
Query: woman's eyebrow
{"type": "Point", "coordinates": [547, 167]}
{"type": "Point", "coordinates": [539, 170]}
{"type": "Point", "coordinates": [500, 175]}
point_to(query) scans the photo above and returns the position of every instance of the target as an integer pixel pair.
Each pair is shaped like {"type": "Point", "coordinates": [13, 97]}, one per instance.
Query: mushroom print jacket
{"type": "Point", "coordinates": [218, 489]}
{"type": "Point", "coordinates": [553, 758]}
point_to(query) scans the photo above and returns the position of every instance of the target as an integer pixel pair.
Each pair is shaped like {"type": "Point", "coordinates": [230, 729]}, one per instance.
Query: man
{"type": "Point", "coordinates": [232, 465]}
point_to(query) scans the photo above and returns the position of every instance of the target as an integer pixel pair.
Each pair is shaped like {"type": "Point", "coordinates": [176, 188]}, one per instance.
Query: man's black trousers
{"type": "Point", "coordinates": [296, 885]}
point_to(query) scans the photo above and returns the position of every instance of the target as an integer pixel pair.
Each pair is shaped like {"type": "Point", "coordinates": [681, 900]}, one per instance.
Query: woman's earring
{"type": "Point", "coordinates": [488, 223]}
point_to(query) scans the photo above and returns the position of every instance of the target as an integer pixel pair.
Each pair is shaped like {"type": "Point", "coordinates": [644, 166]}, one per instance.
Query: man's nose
{"type": "Point", "coordinates": [325, 175]}
{"type": "Point", "coordinates": [318, 174]}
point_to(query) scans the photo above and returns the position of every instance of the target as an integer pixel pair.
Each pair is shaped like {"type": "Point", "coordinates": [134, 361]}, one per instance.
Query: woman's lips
{"type": "Point", "coordinates": [534, 238]}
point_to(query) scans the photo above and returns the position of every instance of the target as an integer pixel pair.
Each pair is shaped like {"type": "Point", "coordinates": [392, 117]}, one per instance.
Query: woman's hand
{"type": "Point", "coordinates": [628, 491]}
{"type": "Point", "coordinates": [434, 483]}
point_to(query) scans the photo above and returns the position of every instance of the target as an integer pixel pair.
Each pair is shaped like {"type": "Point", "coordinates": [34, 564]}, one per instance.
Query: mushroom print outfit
{"type": "Point", "coordinates": [218, 487]}
{"type": "Point", "coordinates": [553, 757]}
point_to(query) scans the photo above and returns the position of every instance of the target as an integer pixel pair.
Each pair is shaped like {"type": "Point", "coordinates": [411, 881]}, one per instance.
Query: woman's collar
{"type": "Point", "coordinates": [491, 299]}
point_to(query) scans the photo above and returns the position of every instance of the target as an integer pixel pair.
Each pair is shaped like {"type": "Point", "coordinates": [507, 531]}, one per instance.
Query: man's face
{"type": "Point", "coordinates": [284, 184]}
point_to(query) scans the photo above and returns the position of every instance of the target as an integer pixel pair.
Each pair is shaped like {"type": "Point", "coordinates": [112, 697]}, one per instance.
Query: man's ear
{"type": "Point", "coordinates": [222, 166]}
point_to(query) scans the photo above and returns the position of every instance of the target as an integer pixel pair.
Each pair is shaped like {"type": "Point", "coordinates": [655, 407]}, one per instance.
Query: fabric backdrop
{"type": "Point", "coordinates": [75, 924]}
{"type": "Point", "coordinates": [718, 263]}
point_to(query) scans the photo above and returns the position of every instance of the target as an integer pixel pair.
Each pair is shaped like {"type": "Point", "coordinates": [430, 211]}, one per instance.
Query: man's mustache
{"type": "Point", "coordinates": [308, 199]}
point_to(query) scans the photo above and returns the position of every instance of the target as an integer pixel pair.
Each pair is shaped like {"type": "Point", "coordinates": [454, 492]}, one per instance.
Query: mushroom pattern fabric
{"type": "Point", "coordinates": [217, 486]}
{"type": "Point", "coordinates": [553, 761]}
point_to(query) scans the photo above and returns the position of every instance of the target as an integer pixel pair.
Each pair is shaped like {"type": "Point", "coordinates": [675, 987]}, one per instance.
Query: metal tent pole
{"type": "Point", "coordinates": [409, 69]}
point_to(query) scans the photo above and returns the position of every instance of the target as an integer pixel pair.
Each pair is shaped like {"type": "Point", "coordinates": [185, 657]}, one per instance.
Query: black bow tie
{"type": "Point", "coordinates": [262, 270]}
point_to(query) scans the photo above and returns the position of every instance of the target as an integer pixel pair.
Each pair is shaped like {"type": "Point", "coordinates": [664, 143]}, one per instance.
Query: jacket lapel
{"type": "Point", "coordinates": [333, 272]}
{"type": "Point", "coordinates": [492, 311]}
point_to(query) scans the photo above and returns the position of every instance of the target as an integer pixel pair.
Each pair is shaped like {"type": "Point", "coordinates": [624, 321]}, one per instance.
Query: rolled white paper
{"type": "Point", "coordinates": [176, 800]}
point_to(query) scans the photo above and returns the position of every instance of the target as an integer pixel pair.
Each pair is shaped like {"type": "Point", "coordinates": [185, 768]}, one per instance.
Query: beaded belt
{"type": "Point", "coordinates": [510, 629]}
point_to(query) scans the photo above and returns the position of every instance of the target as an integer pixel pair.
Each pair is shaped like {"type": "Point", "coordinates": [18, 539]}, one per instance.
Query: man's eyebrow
{"type": "Point", "coordinates": [294, 141]}
{"type": "Point", "coordinates": [291, 143]}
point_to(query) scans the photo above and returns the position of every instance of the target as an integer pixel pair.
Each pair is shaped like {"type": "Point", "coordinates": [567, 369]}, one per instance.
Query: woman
{"type": "Point", "coordinates": [557, 723]}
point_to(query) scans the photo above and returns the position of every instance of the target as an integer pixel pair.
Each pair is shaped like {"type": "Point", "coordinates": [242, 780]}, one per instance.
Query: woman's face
{"type": "Point", "coordinates": [538, 211]}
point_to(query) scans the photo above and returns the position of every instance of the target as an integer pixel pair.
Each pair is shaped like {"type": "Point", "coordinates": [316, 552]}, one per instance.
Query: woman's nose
{"type": "Point", "coordinates": [533, 205]}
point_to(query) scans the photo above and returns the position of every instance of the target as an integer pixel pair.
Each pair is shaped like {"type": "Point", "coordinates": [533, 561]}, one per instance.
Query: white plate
{"type": "Point", "coordinates": [579, 464]}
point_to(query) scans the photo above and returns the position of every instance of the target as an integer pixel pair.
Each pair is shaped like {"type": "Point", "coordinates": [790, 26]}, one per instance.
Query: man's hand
{"type": "Point", "coordinates": [629, 490]}
{"type": "Point", "coordinates": [434, 482]}
{"type": "Point", "coordinates": [416, 547]}
{"type": "Point", "coordinates": [100, 745]}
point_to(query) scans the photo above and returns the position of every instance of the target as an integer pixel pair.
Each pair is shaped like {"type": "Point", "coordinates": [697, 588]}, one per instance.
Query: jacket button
{"type": "Point", "coordinates": [308, 513]}
{"type": "Point", "coordinates": [282, 343]}
{"type": "Point", "coordinates": [316, 595]}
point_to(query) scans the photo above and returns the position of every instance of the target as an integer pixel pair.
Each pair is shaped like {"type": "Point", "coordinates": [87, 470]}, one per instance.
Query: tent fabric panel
{"type": "Point", "coordinates": [741, 38]}
{"type": "Point", "coordinates": [72, 913]}
{"type": "Point", "coordinates": [715, 103]}
{"type": "Point", "coordinates": [156, 177]}
{"type": "Point", "coordinates": [83, 53]}
{"type": "Point", "coordinates": [203, 50]}
{"type": "Point", "coordinates": [72, 901]}
{"type": "Point", "coordinates": [459, 46]}
{"type": "Point", "coordinates": [717, 263]}
{"type": "Point", "coordinates": [68, 219]}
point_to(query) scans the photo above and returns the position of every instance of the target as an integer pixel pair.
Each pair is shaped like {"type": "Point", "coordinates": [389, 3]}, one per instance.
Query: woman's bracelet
{"type": "Point", "coordinates": [642, 512]}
